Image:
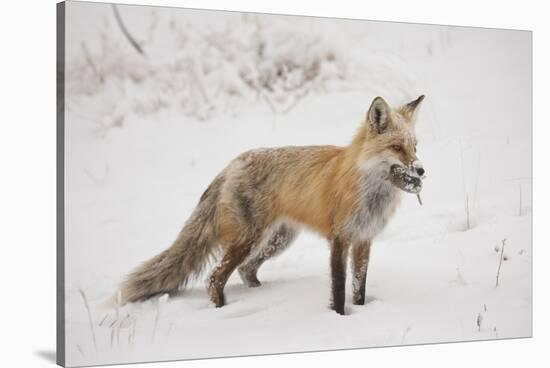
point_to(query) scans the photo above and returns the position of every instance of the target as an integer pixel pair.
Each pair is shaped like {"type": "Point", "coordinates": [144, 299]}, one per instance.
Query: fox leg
{"type": "Point", "coordinates": [360, 261]}
{"type": "Point", "coordinates": [233, 256]}
{"type": "Point", "coordinates": [338, 263]}
{"type": "Point", "coordinates": [277, 242]}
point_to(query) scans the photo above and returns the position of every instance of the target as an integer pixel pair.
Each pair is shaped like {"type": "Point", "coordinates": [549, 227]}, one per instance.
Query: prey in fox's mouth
{"type": "Point", "coordinates": [406, 178]}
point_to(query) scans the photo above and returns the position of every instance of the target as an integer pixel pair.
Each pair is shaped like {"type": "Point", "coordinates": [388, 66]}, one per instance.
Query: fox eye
{"type": "Point", "coordinates": [396, 148]}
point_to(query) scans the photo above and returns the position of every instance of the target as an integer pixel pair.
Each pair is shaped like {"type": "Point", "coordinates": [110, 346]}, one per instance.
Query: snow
{"type": "Point", "coordinates": [134, 176]}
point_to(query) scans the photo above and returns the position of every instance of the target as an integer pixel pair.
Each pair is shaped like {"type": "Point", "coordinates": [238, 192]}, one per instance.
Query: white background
{"type": "Point", "coordinates": [28, 181]}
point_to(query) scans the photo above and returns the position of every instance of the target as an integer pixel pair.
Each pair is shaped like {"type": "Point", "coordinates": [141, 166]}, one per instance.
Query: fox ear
{"type": "Point", "coordinates": [378, 115]}
{"type": "Point", "coordinates": [409, 110]}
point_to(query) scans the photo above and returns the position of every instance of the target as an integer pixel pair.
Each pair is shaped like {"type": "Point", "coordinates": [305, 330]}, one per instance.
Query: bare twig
{"type": "Point", "coordinates": [269, 102]}
{"type": "Point", "coordinates": [126, 33]}
{"type": "Point", "coordinates": [89, 316]}
{"type": "Point", "coordinates": [297, 98]}
{"type": "Point", "coordinates": [460, 278]}
{"type": "Point", "coordinates": [160, 301]}
{"type": "Point", "coordinates": [156, 322]}
{"type": "Point", "coordinates": [79, 348]}
{"type": "Point", "coordinates": [99, 181]}
{"type": "Point", "coordinates": [500, 262]}
{"type": "Point", "coordinates": [117, 304]}
{"type": "Point", "coordinates": [112, 336]}
{"type": "Point", "coordinates": [480, 317]}
{"type": "Point", "coordinates": [119, 325]}
{"type": "Point", "coordinates": [103, 320]}
{"type": "Point", "coordinates": [464, 187]}
{"type": "Point", "coordinates": [198, 82]}
{"type": "Point", "coordinates": [116, 328]}
{"type": "Point", "coordinates": [479, 321]}
{"type": "Point", "coordinates": [133, 330]}
{"type": "Point", "coordinates": [152, 25]}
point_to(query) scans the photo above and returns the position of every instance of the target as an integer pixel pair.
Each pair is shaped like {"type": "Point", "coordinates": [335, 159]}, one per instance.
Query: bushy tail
{"type": "Point", "coordinates": [171, 269]}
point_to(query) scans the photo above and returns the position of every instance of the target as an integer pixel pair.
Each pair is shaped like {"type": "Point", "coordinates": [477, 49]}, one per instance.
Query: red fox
{"type": "Point", "coordinates": [255, 207]}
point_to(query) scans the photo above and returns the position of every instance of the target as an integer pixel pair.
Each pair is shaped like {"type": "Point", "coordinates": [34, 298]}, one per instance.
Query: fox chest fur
{"type": "Point", "coordinates": [376, 203]}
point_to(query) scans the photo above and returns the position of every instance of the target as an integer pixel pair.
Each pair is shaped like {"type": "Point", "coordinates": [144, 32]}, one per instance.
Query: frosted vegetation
{"type": "Point", "coordinates": [210, 70]}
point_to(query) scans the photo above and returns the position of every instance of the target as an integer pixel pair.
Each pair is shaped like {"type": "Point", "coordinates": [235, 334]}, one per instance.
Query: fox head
{"type": "Point", "coordinates": [389, 143]}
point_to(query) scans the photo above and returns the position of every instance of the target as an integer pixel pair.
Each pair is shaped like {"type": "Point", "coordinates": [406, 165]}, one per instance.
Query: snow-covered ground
{"type": "Point", "coordinates": [132, 179]}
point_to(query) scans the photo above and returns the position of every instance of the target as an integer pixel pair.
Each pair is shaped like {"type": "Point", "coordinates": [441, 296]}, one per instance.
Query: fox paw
{"type": "Point", "coordinates": [251, 280]}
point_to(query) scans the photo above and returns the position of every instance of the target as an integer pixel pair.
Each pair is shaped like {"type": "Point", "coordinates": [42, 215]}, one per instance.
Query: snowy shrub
{"type": "Point", "coordinates": [204, 71]}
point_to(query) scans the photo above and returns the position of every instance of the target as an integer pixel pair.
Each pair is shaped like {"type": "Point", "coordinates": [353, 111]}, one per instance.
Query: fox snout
{"type": "Point", "coordinates": [418, 168]}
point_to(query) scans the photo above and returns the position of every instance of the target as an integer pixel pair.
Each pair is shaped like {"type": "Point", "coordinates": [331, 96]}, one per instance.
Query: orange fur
{"type": "Point", "coordinates": [343, 193]}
